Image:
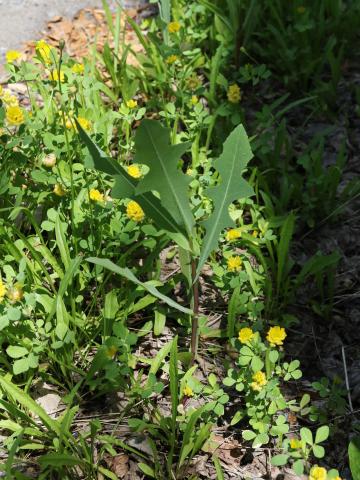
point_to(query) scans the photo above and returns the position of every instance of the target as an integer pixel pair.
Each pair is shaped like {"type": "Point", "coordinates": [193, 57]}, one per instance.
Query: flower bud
{"type": "Point", "coordinates": [49, 161]}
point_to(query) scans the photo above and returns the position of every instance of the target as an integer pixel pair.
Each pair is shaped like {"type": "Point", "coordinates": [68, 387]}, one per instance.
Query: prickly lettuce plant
{"type": "Point", "coordinates": [163, 195]}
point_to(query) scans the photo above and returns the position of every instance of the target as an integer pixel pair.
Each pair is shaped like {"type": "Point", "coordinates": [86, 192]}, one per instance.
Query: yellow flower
{"type": "Point", "coordinates": [50, 160]}
{"type": "Point", "coordinates": [255, 234]}
{"type": "Point", "coordinates": [188, 392]}
{"type": "Point", "coordinates": [10, 99]}
{"type": "Point", "coordinates": [70, 122]}
{"type": "Point", "coordinates": [14, 115]}
{"type": "Point", "coordinates": [317, 473]}
{"type": "Point", "coordinates": [234, 93]}
{"type": "Point", "coordinates": [59, 190]}
{"type": "Point", "coordinates": [44, 50]}
{"type": "Point", "coordinates": [96, 196]}
{"type": "Point", "coordinates": [85, 124]}
{"type": "Point", "coordinates": [134, 171]}
{"type": "Point", "coordinates": [301, 9]}
{"type": "Point", "coordinates": [15, 293]}
{"type": "Point", "coordinates": [337, 478]}
{"type": "Point", "coordinates": [295, 443]}
{"type": "Point", "coordinates": [12, 56]}
{"type": "Point", "coordinates": [245, 335]}
{"type": "Point", "coordinates": [194, 100]}
{"type": "Point", "coordinates": [173, 27]}
{"type": "Point", "coordinates": [234, 264]}
{"type": "Point", "coordinates": [78, 68]}
{"type": "Point", "coordinates": [259, 381]}
{"type": "Point", "coordinates": [171, 59]}
{"type": "Point", "coordinates": [2, 290]}
{"type": "Point", "coordinates": [134, 211]}
{"type": "Point", "coordinates": [276, 335]}
{"type": "Point", "coordinates": [232, 234]}
{"type": "Point", "coordinates": [54, 76]}
{"type": "Point", "coordinates": [110, 352]}
{"type": "Point", "coordinates": [131, 103]}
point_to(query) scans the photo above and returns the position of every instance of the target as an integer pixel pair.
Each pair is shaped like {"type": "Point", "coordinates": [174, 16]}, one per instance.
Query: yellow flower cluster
{"type": "Point", "coordinates": [173, 27]}
{"type": "Point", "coordinates": [55, 76]}
{"type": "Point", "coordinates": [2, 290]}
{"type": "Point", "coordinates": [44, 50]}
{"type": "Point", "coordinates": [295, 443]}
{"type": "Point", "coordinates": [194, 100]}
{"type": "Point", "coordinates": [78, 68]}
{"type": "Point", "coordinates": [131, 103]}
{"type": "Point", "coordinates": [9, 99]}
{"type": "Point", "coordinates": [245, 334]}
{"type": "Point", "coordinates": [15, 293]}
{"type": "Point", "coordinates": [134, 211]}
{"type": "Point", "coordinates": [111, 351]}
{"type": "Point", "coordinates": [234, 264]}
{"type": "Point", "coordinates": [70, 122]}
{"type": "Point", "coordinates": [134, 171]}
{"type": "Point", "coordinates": [96, 196]}
{"type": "Point", "coordinates": [188, 391]}
{"type": "Point", "coordinates": [276, 335]}
{"type": "Point", "coordinates": [234, 93]}
{"type": "Point", "coordinates": [83, 122]}
{"type": "Point", "coordinates": [317, 473]}
{"type": "Point", "coordinates": [59, 190]}
{"type": "Point", "coordinates": [259, 381]}
{"type": "Point", "coordinates": [12, 56]}
{"type": "Point", "coordinates": [232, 234]}
{"type": "Point", "coordinates": [171, 59]}
{"type": "Point", "coordinates": [14, 115]}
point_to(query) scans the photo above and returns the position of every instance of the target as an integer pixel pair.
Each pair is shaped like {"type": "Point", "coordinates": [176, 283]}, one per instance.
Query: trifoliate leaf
{"type": "Point", "coordinates": [236, 154]}
{"type": "Point", "coordinates": [153, 149]}
{"type": "Point", "coordinates": [322, 434]}
{"type": "Point", "coordinates": [15, 351]}
{"type": "Point", "coordinates": [279, 460]}
{"type": "Point", "coordinates": [248, 434]}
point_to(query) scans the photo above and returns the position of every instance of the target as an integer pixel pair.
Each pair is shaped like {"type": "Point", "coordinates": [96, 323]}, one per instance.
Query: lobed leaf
{"type": "Point", "coordinates": [153, 149]}
{"type": "Point", "coordinates": [236, 154]}
{"type": "Point", "coordinates": [125, 186]}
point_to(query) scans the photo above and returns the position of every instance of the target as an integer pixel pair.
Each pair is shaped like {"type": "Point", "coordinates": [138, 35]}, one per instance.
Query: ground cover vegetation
{"type": "Point", "coordinates": [155, 275]}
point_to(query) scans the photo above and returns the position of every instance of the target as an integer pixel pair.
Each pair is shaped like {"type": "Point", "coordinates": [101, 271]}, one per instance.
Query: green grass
{"type": "Point", "coordinates": [102, 297]}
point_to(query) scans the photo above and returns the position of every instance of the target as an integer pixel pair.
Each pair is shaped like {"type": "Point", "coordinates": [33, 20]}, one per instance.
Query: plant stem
{"type": "Point", "coordinates": [194, 319]}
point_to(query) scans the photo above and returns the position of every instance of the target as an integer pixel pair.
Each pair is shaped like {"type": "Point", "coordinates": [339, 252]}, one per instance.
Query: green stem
{"type": "Point", "coordinates": [195, 315]}
{"type": "Point", "coordinates": [268, 364]}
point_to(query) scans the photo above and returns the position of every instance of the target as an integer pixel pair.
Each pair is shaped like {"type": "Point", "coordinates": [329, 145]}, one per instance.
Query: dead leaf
{"type": "Point", "coordinates": [120, 465]}
{"type": "Point", "coordinates": [50, 403]}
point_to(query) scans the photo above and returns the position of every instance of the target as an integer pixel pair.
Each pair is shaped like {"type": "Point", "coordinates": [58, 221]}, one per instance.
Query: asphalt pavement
{"type": "Point", "coordinates": [24, 20]}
